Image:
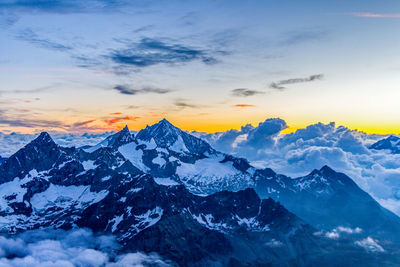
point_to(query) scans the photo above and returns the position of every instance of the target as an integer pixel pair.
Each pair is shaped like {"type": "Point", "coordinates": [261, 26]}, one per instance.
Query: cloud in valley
{"type": "Point", "coordinates": [79, 247]}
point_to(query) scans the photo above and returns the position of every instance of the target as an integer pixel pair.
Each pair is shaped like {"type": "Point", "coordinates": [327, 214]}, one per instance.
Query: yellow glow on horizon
{"type": "Point", "coordinates": [210, 123]}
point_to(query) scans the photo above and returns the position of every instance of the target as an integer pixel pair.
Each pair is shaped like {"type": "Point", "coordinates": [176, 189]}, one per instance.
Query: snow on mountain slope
{"type": "Point", "coordinates": [105, 192]}
{"type": "Point", "coordinates": [166, 152]}
{"type": "Point", "coordinates": [64, 196]}
{"type": "Point", "coordinates": [205, 171]}
{"type": "Point", "coordinates": [45, 185]}
{"type": "Point", "coordinates": [202, 170]}
{"type": "Point", "coordinates": [135, 156]}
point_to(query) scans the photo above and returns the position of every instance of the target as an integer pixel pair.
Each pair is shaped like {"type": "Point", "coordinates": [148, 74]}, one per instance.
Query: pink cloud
{"type": "Point", "coordinates": [375, 15]}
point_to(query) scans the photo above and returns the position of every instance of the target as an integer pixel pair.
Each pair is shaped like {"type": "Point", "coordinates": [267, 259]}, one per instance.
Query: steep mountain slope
{"type": "Point", "coordinates": [328, 199]}
{"type": "Point", "coordinates": [103, 191]}
{"type": "Point", "coordinates": [324, 198]}
{"type": "Point", "coordinates": [172, 155]}
{"type": "Point", "coordinates": [391, 143]}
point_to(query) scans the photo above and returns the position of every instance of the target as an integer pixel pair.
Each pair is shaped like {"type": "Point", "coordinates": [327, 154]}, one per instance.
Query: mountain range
{"type": "Point", "coordinates": [164, 190]}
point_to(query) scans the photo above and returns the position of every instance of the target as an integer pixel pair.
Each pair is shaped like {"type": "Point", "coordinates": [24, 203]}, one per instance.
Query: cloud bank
{"type": "Point", "coordinates": [78, 247]}
{"type": "Point", "coordinates": [297, 154]}
{"type": "Point", "coordinates": [12, 142]}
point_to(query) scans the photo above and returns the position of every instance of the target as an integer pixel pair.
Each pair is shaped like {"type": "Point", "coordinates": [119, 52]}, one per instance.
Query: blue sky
{"type": "Point", "coordinates": [205, 65]}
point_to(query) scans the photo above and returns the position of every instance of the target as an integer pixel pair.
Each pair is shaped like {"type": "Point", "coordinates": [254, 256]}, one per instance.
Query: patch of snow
{"type": "Point", "coordinates": [57, 195]}
{"type": "Point", "coordinates": [165, 181]}
{"type": "Point", "coordinates": [252, 224]}
{"type": "Point", "coordinates": [179, 145]}
{"type": "Point", "coordinates": [116, 220]}
{"type": "Point", "coordinates": [134, 156]}
{"type": "Point", "coordinates": [159, 160]}
{"type": "Point", "coordinates": [149, 218]}
{"type": "Point", "coordinates": [134, 190]}
{"type": "Point", "coordinates": [106, 178]}
{"type": "Point", "coordinates": [12, 188]}
{"type": "Point", "coordinates": [172, 158]}
{"type": "Point", "coordinates": [160, 149]}
{"type": "Point", "coordinates": [149, 145]}
{"type": "Point", "coordinates": [33, 173]}
{"type": "Point", "coordinates": [63, 164]}
{"type": "Point", "coordinates": [208, 221]}
{"type": "Point", "coordinates": [88, 165]}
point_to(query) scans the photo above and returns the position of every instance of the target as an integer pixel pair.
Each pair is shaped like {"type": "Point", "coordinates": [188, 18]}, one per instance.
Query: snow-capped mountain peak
{"type": "Point", "coordinates": [116, 140]}
{"type": "Point", "coordinates": [43, 139]}
{"type": "Point", "coordinates": [163, 132]}
{"type": "Point", "coordinates": [166, 135]}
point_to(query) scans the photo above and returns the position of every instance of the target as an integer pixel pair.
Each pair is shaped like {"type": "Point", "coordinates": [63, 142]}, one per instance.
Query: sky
{"type": "Point", "coordinates": [96, 65]}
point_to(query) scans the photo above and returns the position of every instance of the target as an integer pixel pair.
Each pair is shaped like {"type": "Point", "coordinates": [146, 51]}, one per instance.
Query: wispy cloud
{"type": "Point", "coordinates": [244, 92]}
{"type": "Point", "coordinates": [63, 6]}
{"type": "Point", "coordinates": [113, 121]}
{"type": "Point", "coordinates": [280, 84]}
{"type": "Point", "coordinates": [127, 90]}
{"type": "Point", "coordinates": [302, 36]}
{"type": "Point", "coordinates": [30, 36]}
{"type": "Point", "coordinates": [36, 90]}
{"type": "Point", "coordinates": [375, 15]}
{"type": "Point", "coordinates": [30, 123]}
{"type": "Point", "coordinates": [182, 103]}
{"type": "Point", "coordinates": [150, 51]}
{"type": "Point", "coordinates": [115, 113]}
{"type": "Point", "coordinates": [132, 107]}
{"type": "Point", "coordinates": [244, 106]}
{"type": "Point", "coordinates": [82, 123]}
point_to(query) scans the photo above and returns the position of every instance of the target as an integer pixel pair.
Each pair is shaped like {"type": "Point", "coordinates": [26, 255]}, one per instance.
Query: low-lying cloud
{"type": "Point", "coordinates": [14, 141]}
{"type": "Point", "coordinates": [80, 247]}
{"type": "Point", "coordinates": [298, 153]}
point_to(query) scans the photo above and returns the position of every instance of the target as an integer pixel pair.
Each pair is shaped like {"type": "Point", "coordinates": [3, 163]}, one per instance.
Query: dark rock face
{"type": "Point", "coordinates": [327, 199]}
{"type": "Point", "coordinates": [121, 138]}
{"type": "Point", "coordinates": [391, 143]}
{"type": "Point", "coordinates": [2, 160]}
{"type": "Point", "coordinates": [41, 154]}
